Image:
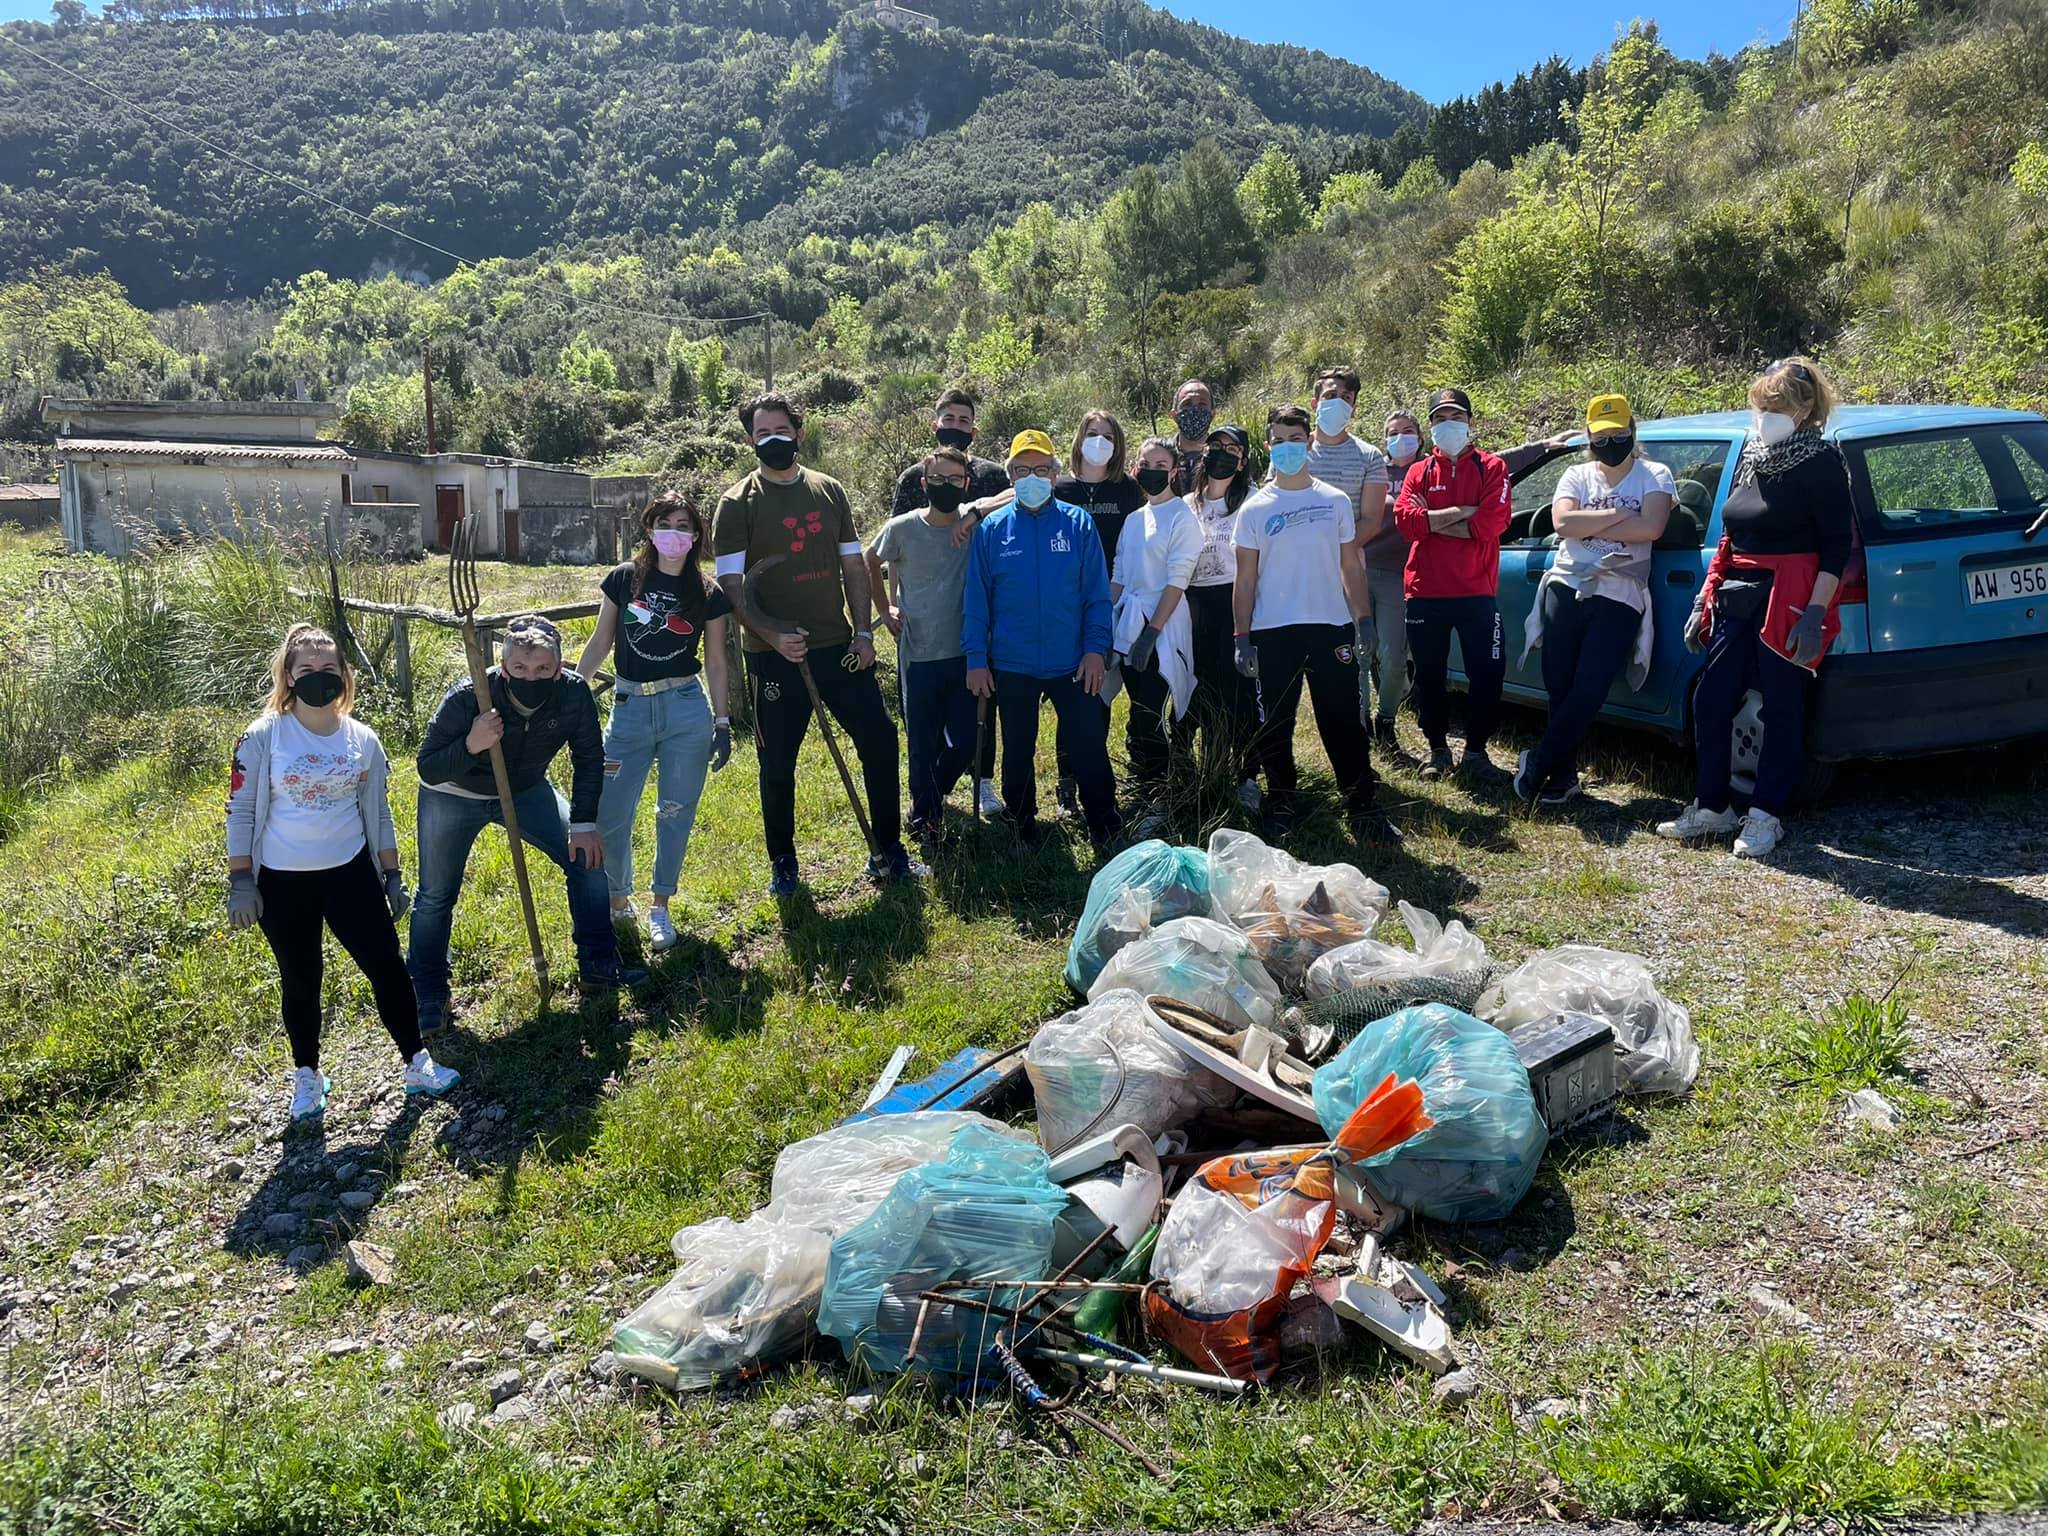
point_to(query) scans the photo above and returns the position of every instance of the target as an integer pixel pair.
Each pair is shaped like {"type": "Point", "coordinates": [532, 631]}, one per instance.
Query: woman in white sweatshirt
{"type": "Point", "coordinates": [1154, 560]}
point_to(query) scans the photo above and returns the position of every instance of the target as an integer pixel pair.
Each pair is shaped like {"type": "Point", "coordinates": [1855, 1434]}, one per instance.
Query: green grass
{"type": "Point", "coordinates": [1858, 1042]}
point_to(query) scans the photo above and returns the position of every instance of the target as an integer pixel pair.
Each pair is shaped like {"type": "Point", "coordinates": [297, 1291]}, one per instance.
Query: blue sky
{"type": "Point", "coordinates": [1484, 40]}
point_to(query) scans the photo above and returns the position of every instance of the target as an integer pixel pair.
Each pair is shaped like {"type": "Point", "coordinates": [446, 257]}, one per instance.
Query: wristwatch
{"type": "Point", "coordinates": [863, 634]}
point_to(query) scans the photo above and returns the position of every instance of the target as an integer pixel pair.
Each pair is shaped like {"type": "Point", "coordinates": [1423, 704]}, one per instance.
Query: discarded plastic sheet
{"type": "Point", "coordinates": [1417, 1329]}
{"type": "Point", "coordinates": [1292, 912]}
{"type": "Point", "coordinates": [1200, 961]}
{"type": "Point", "coordinates": [1653, 1033]}
{"type": "Point", "coordinates": [1116, 1179]}
{"type": "Point", "coordinates": [1147, 884]}
{"type": "Point", "coordinates": [1322, 1026]}
{"type": "Point", "coordinates": [1104, 1065]}
{"type": "Point", "coordinates": [1571, 1064]}
{"type": "Point", "coordinates": [1450, 957]}
{"type": "Point", "coordinates": [1480, 1156]}
{"type": "Point", "coordinates": [1254, 1060]}
{"type": "Point", "coordinates": [971, 1080]}
{"type": "Point", "coordinates": [1249, 1226]}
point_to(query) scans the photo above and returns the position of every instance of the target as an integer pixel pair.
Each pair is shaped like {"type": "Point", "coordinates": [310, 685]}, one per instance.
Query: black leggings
{"type": "Point", "coordinates": [350, 900]}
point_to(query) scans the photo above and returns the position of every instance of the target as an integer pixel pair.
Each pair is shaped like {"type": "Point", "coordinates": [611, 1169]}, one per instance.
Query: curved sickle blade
{"type": "Point", "coordinates": [750, 588]}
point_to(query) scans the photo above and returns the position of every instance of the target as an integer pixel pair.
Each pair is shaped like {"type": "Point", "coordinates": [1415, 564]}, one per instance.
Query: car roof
{"type": "Point", "coordinates": [1851, 420]}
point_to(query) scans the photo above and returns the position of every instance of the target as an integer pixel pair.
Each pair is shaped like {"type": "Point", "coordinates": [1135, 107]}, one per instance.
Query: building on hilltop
{"type": "Point", "coordinates": [890, 14]}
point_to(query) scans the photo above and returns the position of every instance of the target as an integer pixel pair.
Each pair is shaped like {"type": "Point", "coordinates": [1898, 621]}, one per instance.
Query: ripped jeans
{"type": "Point", "coordinates": [670, 733]}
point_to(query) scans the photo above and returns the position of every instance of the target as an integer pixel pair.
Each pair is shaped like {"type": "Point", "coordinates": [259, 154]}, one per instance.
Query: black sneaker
{"type": "Point", "coordinates": [595, 981]}
{"type": "Point", "coordinates": [1371, 828]}
{"type": "Point", "coordinates": [1475, 767]}
{"type": "Point", "coordinates": [895, 864]}
{"type": "Point", "coordinates": [1440, 764]}
{"type": "Point", "coordinates": [1068, 798]}
{"type": "Point", "coordinates": [783, 875]}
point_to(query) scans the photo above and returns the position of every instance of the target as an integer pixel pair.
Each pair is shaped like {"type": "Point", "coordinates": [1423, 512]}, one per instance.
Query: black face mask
{"type": "Point", "coordinates": [1152, 481]}
{"type": "Point", "coordinates": [1193, 421]}
{"type": "Point", "coordinates": [953, 437]}
{"type": "Point", "coordinates": [1614, 449]}
{"type": "Point", "coordinates": [944, 498]}
{"type": "Point", "coordinates": [317, 689]}
{"type": "Point", "coordinates": [532, 693]}
{"type": "Point", "coordinates": [1220, 464]}
{"type": "Point", "coordinates": [776, 452]}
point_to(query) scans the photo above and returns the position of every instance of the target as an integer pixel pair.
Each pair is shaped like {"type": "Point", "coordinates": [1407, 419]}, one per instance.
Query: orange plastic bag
{"type": "Point", "coordinates": [1248, 1226]}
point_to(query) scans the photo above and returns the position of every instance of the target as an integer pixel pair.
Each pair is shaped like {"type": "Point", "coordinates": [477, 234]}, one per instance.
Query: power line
{"type": "Point", "coordinates": [363, 218]}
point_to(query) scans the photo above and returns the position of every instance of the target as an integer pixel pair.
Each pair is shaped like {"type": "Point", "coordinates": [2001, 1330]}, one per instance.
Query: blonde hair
{"type": "Point", "coordinates": [280, 699]}
{"type": "Point", "coordinates": [1796, 386]}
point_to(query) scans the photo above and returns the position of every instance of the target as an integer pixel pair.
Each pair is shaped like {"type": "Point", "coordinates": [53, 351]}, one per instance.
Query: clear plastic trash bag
{"type": "Point", "coordinates": [1104, 1065]}
{"type": "Point", "coordinates": [1654, 1034]}
{"type": "Point", "coordinates": [1478, 1160]}
{"type": "Point", "coordinates": [1450, 951]}
{"type": "Point", "coordinates": [1204, 963]}
{"type": "Point", "coordinates": [746, 1293]}
{"type": "Point", "coordinates": [1292, 912]}
{"type": "Point", "coordinates": [1150, 883]}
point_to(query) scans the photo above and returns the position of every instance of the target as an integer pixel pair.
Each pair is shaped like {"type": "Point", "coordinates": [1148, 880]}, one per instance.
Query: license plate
{"type": "Point", "coordinates": [2004, 583]}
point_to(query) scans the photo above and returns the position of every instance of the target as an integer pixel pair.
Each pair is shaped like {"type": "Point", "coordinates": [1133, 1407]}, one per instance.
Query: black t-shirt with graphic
{"type": "Point", "coordinates": [659, 630]}
{"type": "Point", "coordinates": [1108, 502]}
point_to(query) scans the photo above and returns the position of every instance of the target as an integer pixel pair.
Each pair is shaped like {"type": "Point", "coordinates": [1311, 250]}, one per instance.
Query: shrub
{"type": "Point", "coordinates": [1516, 284]}
{"type": "Point", "coordinates": [1756, 278]}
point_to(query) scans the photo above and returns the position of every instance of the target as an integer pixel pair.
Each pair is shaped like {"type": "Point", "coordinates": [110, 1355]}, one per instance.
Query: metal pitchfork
{"type": "Point", "coordinates": [464, 598]}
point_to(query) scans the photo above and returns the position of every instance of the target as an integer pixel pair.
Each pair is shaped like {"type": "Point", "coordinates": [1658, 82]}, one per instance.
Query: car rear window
{"type": "Point", "coordinates": [1935, 483]}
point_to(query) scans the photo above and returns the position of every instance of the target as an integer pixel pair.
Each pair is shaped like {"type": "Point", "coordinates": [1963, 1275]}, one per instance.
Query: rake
{"type": "Point", "coordinates": [464, 597]}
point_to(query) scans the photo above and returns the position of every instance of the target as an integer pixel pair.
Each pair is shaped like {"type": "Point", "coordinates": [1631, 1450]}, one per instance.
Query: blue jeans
{"type": "Point", "coordinates": [938, 731]}
{"type": "Point", "coordinates": [670, 731]}
{"type": "Point", "coordinates": [448, 825]}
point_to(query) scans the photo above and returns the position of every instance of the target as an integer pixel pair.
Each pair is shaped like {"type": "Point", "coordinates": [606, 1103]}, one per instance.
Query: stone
{"type": "Point", "coordinates": [504, 1384]}
{"type": "Point", "coordinates": [218, 1337]}
{"type": "Point", "coordinates": [231, 1170]}
{"type": "Point", "coordinates": [605, 1367]}
{"type": "Point", "coordinates": [339, 1348]}
{"type": "Point", "coordinates": [307, 1200]}
{"type": "Point", "coordinates": [860, 1405]}
{"type": "Point", "coordinates": [535, 1273]}
{"type": "Point", "coordinates": [345, 1173]}
{"type": "Point", "coordinates": [126, 1287]}
{"type": "Point", "coordinates": [368, 1264]}
{"type": "Point", "coordinates": [469, 1365]}
{"type": "Point", "coordinates": [1546, 1410]}
{"type": "Point", "coordinates": [1456, 1389]}
{"type": "Point", "coordinates": [306, 1255]}
{"type": "Point", "coordinates": [394, 1362]}
{"type": "Point", "coordinates": [457, 1416]}
{"type": "Point", "coordinates": [403, 1188]}
{"type": "Point", "coordinates": [283, 1224]}
{"type": "Point", "coordinates": [539, 1339]}
{"type": "Point", "coordinates": [1767, 1303]}
{"type": "Point", "coordinates": [357, 1200]}
{"type": "Point", "coordinates": [502, 1309]}
{"type": "Point", "coordinates": [794, 1416]}
{"type": "Point", "coordinates": [1868, 1107]}
{"type": "Point", "coordinates": [494, 1112]}
{"type": "Point", "coordinates": [179, 1353]}
{"type": "Point", "coordinates": [515, 1410]}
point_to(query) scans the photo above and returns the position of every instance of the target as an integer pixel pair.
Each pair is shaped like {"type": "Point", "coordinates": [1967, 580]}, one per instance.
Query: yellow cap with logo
{"type": "Point", "coordinates": [1609, 413]}
{"type": "Point", "coordinates": [1031, 441]}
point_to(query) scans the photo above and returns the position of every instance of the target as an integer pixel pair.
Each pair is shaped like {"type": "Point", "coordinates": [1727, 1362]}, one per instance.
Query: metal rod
{"type": "Point", "coordinates": [1147, 1371]}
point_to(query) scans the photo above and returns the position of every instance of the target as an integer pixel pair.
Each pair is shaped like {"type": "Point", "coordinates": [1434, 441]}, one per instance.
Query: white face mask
{"type": "Point", "coordinates": [1333, 415]}
{"type": "Point", "coordinates": [1772, 426]}
{"type": "Point", "coordinates": [1404, 445]}
{"type": "Point", "coordinates": [1097, 449]}
{"type": "Point", "coordinates": [1450, 436]}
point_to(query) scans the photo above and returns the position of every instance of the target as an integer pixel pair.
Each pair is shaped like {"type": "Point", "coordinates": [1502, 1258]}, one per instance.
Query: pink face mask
{"type": "Point", "coordinates": [670, 543]}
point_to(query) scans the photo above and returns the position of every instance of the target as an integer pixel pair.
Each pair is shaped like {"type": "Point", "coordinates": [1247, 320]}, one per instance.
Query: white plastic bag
{"type": "Point", "coordinates": [1654, 1033]}
{"type": "Point", "coordinates": [1204, 963]}
{"type": "Point", "coordinates": [1440, 950]}
{"type": "Point", "coordinates": [1292, 912]}
{"type": "Point", "coordinates": [746, 1293]}
{"type": "Point", "coordinates": [1103, 1065]}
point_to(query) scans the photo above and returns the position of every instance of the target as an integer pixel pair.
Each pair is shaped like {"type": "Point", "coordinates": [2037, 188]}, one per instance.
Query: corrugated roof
{"type": "Point", "coordinates": [28, 493]}
{"type": "Point", "coordinates": [238, 453]}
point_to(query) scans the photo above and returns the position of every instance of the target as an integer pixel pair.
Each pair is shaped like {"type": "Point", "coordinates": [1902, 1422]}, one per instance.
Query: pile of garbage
{"type": "Point", "coordinates": [1251, 1097]}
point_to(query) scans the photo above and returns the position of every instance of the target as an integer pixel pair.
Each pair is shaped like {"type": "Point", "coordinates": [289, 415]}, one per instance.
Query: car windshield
{"type": "Point", "coordinates": [1950, 481]}
{"type": "Point", "coordinates": [1696, 465]}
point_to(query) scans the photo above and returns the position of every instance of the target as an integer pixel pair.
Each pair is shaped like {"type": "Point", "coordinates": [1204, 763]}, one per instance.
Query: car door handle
{"type": "Point", "coordinates": [1678, 578]}
{"type": "Point", "coordinates": [1916, 565]}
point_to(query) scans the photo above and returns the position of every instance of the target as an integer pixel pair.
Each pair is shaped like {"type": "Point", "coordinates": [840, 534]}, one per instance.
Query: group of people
{"type": "Point", "coordinates": [1165, 573]}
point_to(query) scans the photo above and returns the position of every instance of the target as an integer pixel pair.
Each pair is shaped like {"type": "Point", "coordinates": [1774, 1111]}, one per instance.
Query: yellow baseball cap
{"type": "Point", "coordinates": [1609, 413]}
{"type": "Point", "coordinates": [1031, 441]}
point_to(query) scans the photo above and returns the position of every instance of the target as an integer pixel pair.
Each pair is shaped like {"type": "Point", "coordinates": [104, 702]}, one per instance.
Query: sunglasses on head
{"type": "Point", "coordinates": [1797, 370]}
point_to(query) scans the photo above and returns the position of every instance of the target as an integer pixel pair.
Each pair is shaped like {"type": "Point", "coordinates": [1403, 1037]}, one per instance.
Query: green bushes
{"type": "Point", "coordinates": [1756, 279]}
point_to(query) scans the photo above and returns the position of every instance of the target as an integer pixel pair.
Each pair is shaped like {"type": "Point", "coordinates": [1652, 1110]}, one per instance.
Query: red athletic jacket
{"type": "Point", "coordinates": [1439, 565]}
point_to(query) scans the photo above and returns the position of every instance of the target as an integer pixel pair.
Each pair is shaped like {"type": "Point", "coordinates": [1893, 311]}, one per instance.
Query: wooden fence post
{"type": "Point", "coordinates": [401, 658]}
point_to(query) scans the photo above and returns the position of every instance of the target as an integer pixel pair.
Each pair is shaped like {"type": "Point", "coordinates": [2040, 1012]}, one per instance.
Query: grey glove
{"type": "Point", "coordinates": [1696, 630]}
{"type": "Point", "coordinates": [245, 902]}
{"type": "Point", "coordinates": [396, 896]}
{"type": "Point", "coordinates": [1368, 634]}
{"type": "Point", "coordinates": [1139, 656]}
{"type": "Point", "coordinates": [1247, 658]}
{"type": "Point", "coordinates": [1805, 639]}
{"type": "Point", "coordinates": [721, 746]}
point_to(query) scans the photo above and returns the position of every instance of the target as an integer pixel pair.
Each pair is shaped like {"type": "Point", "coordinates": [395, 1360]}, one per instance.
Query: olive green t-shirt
{"type": "Point", "coordinates": [808, 520]}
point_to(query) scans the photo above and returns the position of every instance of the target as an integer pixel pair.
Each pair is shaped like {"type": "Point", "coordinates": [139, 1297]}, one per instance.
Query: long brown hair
{"type": "Point", "coordinates": [281, 695]}
{"type": "Point", "coordinates": [1116, 468]}
{"type": "Point", "coordinates": [644, 557]}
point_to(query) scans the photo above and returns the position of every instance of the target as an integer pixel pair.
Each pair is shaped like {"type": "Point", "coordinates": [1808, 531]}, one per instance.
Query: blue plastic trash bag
{"type": "Point", "coordinates": [1147, 884]}
{"type": "Point", "coordinates": [1478, 1160]}
{"type": "Point", "coordinates": [984, 1213]}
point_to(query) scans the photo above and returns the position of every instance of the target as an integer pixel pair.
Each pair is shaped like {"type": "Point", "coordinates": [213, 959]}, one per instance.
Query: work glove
{"type": "Point", "coordinates": [1805, 639]}
{"type": "Point", "coordinates": [721, 746]}
{"type": "Point", "coordinates": [1247, 658]}
{"type": "Point", "coordinates": [245, 902]}
{"type": "Point", "coordinates": [1139, 656]}
{"type": "Point", "coordinates": [396, 896]}
{"type": "Point", "coordinates": [1368, 634]}
{"type": "Point", "coordinates": [1696, 629]}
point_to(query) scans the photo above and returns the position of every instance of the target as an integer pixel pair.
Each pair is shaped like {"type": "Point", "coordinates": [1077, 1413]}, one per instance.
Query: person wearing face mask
{"type": "Point", "coordinates": [920, 569]}
{"type": "Point", "coordinates": [1303, 618]}
{"type": "Point", "coordinates": [952, 427]}
{"type": "Point", "coordinates": [1384, 549]}
{"type": "Point", "coordinates": [1194, 412]}
{"type": "Point", "coordinates": [1592, 617]}
{"type": "Point", "coordinates": [1226, 703]}
{"type": "Point", "coordinates": [1766, 612]}
{"type": "Point", "coordinates": [1453, 507]}
{"type": "Point", "coordinates": [311, 847]}
{"type": "Point", "coordinates": [535, 709]}
{"type": "Point", "coordinates": [804, 522]}
{"type": "Point", "coordinates": [655, 612]}
{"type": "Point", "coordinates": [1036, 625]}
{"type": "Point", "coordinates": [1156, 552]}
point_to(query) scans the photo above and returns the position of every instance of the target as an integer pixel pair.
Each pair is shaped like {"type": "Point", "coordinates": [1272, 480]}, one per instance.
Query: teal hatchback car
{"type": "Point", "coordinates": [1944, 606]}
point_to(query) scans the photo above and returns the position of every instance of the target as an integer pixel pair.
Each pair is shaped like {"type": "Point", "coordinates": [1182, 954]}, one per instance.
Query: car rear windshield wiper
{"type": "Point", "coordinates": [2034, 528]}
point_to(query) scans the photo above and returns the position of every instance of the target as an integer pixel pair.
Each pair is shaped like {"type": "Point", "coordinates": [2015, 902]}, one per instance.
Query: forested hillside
{"type": "Point", "coordinates": [505, 127]}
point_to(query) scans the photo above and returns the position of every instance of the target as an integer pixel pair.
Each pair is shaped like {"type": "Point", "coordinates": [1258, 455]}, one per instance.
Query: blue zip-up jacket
{"type": "Point", "coordinates": [1037, 596]}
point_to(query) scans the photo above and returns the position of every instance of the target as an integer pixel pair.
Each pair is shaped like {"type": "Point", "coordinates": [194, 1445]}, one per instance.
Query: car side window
{"type": "Point", "coordinates": [1935, 483]}
{"type": "Point", "coordinates": [1696, 465]}
{"type": "Point", "coordinates": [1532, 493]}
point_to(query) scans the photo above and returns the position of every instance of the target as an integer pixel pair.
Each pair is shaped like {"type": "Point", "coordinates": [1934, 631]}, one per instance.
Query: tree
{"type": "Point", "coordinates": [1349, 195]}
{"type": "Point", "coordinates": [1212, 239]}
{"type": "Point", "coordinates": [1613, 166]}
{"type": "Point", "coordinates": [1867, 133]}
{"type": "Point", "coordinates": [1271, 197]}
{"type": "Point", "coordinates": [1136, 235]}
{"type": "Point", "coordinates": [1419, 183]}
{"type": "Point", "coordinates": [67, 15]}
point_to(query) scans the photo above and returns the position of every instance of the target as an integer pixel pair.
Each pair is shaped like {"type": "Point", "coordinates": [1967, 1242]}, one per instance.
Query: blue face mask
{"type": "Point", "coordinates": [1288, 458]}
{"type": "Point", "coordinates": [1333, 415]}
{"type": "Point", "coordinates": [1033, 492]}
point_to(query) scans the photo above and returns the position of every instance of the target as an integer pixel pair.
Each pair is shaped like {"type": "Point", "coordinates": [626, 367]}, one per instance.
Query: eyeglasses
{"type": "Point", "coordinates": [957, 484]}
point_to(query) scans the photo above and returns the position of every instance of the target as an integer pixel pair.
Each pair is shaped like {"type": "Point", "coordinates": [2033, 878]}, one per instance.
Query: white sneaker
{"type": "Point", "coordinates": [1249, 796]}
{"type": "Point", "coordinates": [309, 1092]}
{"type": "Point", "coordinates": [661, 932]}
{"type": "Point", "coordinates": [1693, 822]}
{"type": "Point", "coordinates": [626, 918]}
{"type": "Point", "coordinates": [425, 1075]}
{"type": "Point", "coordinates": [991, 802]}
{"type": "Point", "coordinates": [1761, 832]}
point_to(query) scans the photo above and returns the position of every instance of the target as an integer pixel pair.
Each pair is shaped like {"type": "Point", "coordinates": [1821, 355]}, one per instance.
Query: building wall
{"type": "Point", "coordinates": [110, 506]}
{"type": "Point", "coordinates": [571, 534]}
{"type": "Point", "coordinates": [30, 512]}
{"type": "Point", "coordinates": [384, 530]}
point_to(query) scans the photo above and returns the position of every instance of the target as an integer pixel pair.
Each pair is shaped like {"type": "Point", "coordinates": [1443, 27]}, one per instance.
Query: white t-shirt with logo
{"type": "Point", "coordinates": [1603, 567]}
{"type": "Point", "coordinates": [314, 822]}
{"type": "Point", "coordinates": [1217, 564]}
{"type": "Point", "coordinates": [1300, 538]}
